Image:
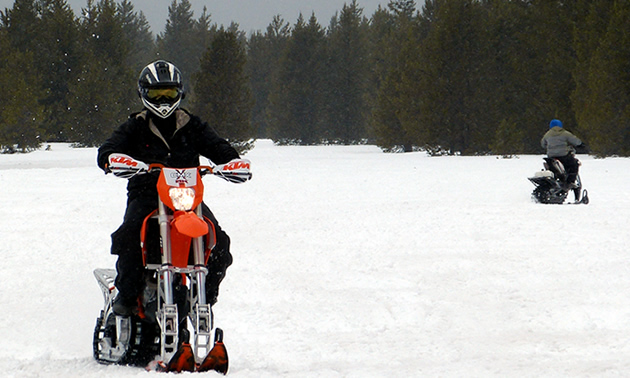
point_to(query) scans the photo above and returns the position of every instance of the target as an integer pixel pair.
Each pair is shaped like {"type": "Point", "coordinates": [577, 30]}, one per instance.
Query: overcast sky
{"type": "Point", "coordinates": [249, 14]}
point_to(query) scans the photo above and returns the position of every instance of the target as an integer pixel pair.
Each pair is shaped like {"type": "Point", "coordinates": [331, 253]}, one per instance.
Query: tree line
{"type": "Point", "coordinates": [454, 77]}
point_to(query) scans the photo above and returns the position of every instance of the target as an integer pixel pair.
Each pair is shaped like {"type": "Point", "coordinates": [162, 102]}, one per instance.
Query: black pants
{"type": "Point", "coordinates": [571, 166]}
{"type": "Point", "coordinates": [126, 244]}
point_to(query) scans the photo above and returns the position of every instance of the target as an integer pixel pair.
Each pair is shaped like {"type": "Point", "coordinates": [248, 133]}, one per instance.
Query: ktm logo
{"type": "Point", "coordinates": [125, 161]}
{"type": "Point", "coordinates": [236, 165]}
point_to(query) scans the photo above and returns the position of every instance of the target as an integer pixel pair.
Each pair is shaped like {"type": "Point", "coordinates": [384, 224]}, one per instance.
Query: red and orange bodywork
{"type": "Point", "coordinates": [185, 225]}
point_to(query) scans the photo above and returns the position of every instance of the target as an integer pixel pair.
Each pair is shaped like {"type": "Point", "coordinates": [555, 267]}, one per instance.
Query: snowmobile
{"type": "Point", "coordinates": [176, 244]}
{"type": "Point", "coordinates": [551, 184]}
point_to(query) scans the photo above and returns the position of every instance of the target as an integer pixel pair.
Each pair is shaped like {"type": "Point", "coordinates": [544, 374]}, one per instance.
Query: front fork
{"type": "Point", "coordinates": [201, 312]}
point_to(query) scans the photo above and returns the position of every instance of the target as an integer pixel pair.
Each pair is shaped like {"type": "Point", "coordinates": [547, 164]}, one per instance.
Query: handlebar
{"type": "Point", "coordinates": [203, 169]}
{"type": "Point", "coordinates": [234, 171]}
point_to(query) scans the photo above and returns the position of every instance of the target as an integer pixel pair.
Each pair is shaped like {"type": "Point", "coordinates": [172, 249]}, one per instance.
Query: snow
{"type": "Point", "coordinates": [348, 263]}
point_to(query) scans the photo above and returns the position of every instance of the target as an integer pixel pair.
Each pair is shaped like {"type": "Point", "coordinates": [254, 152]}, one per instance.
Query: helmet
{"type": "Point", "coordinates": [160, 88]}
{"type": "Point", "coordinates": [554, 123]}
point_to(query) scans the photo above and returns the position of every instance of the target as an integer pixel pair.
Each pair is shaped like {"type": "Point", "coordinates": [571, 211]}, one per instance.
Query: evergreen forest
{"type": "Point", "coordinates": [467, 77]}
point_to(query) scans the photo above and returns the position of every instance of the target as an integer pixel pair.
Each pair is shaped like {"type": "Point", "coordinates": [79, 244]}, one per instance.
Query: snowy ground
{"type": "Point", "coordinates": [348, 263]}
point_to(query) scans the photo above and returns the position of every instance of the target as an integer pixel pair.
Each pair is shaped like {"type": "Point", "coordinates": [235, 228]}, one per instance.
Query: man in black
{"type": "Point", "coordinates": [161, 133]}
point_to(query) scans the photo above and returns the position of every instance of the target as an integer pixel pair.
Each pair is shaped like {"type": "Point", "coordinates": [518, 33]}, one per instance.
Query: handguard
{"type": "Point", "coordinates": [236, 171]}
{"type": "Point", "coordinates": [125, 166]}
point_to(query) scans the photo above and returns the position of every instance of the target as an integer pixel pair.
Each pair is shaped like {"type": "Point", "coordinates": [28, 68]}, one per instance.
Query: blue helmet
{"type": "Point", "coordinates": [554, 123]}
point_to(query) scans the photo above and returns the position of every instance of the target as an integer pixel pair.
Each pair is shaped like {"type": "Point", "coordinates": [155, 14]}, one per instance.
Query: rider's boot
{"type": "Point", "coordinates": [570, 185]}
{"type": "Point", "coordinates": [217, 267]}
{"type": "Point", "coordinates": [212, 292]}
{"type": "Point", "coordinates": [125, 306]}
{"type": "Point", "coordinates": [576, 193]}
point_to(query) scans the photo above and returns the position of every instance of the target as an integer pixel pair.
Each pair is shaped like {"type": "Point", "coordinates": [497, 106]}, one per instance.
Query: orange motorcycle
{"type": "Point", "coordinates": [177, 241]}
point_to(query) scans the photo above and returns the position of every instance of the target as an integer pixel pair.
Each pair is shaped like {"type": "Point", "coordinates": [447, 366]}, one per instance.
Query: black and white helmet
{"type": "Point", "coordinates": [160, 87]}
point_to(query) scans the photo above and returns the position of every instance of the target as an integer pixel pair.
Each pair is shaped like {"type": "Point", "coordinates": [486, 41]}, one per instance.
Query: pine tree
{"type": "Point", "coordinates": [591, 30]}
{"type": "Point", "coordinates": [204, 31]}
{"type": "Point", "coordinates": [21, 115]}
{"type": "Point", "coordinates": [609, 87]}
{"type": "Point", "coordinates": [506, 94]}
{"type": "Point", "coordinates": [59, 60]}
{"type": "Point", "coordinates": [263, 53]}
{"type": "Point", "coordinates": [137, 31]}
{"type": "Point", "coordinates": [105, 90]}
{"type": "Point", "coordinates": [47, 29]}
{"type": "Point", "coordinates": [508, 138]}
{"type": "Point", "coordinates": [21, 23]}
{"type": "Point", "coordinates": [223, 96]}
{"type": "Point", "coordinates": [383, 124]}
{"type": "Point", "coordinates": [177, 44]}
{"type": "Point", "coordinates": [469, 76]}
{"type": "Point", "coordinates": [347, 77]}
{"type": "Point", "coordinates": [550, 43]}
{"type": "Point", "coordinates": [295, 104]}
{"type": "Point", "coordinates": [393, 35]}
{"type": "Point", "coordinates": [448, 79]}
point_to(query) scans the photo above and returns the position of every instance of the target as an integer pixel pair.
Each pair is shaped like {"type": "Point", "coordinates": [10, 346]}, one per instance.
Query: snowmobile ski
{"type": "Point", "coordinates": [217, 358]}
{"type": "Point", "coordinates": [584, 200]}
{"type": "Point", "coordinates": [184, 359]}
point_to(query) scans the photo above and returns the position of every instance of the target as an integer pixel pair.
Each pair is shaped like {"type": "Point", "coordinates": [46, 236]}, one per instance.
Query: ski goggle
{"type": "Point", "coordinates": [170, 93]}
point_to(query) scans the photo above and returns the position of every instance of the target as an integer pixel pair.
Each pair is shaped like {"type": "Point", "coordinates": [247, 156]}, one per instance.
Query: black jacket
{"type": "Point", "coordinates": [141, 139]}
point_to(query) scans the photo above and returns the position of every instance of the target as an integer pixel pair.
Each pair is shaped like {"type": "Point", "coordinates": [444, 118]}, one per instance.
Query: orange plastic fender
{"type": "Point", "coordinates": [189, 224]}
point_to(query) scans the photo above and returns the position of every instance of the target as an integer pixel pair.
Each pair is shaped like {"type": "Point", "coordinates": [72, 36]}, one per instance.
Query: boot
{"type": "Point", "coordinates": [212, 293]}
{"type": "Point", "coordinates": [125, 306]}
{"type": "Point", "coordinates": [219, 261]}
{"type": "Point", "coordinates": [212, 287]}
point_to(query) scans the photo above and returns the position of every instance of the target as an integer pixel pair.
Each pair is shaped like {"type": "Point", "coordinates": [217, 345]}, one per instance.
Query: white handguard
{"type": "Point", "coordinates": [125, 166]}
{"type": "Point", "coordinates": [236, 171]}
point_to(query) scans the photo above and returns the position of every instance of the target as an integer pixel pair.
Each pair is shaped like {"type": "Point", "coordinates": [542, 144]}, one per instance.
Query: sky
{"type": "Point", "coordinates": [251, 15]}
{"type": "Point", "coordinates": [348, 262]}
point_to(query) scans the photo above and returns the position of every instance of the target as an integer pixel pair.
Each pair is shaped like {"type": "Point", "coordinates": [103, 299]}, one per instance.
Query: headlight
{"type": "Point", "coordinates": [183, 198]}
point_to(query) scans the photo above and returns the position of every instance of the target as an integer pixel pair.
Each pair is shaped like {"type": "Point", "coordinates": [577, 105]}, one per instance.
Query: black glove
{"type": "Point", "coordinates": [581, 149]}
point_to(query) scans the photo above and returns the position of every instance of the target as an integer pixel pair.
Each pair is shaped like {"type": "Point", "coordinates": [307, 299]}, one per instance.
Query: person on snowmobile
{"type": "Point", "coordinates": [163, 133]}
{"type": "Point", "coordinates": [560, 144]}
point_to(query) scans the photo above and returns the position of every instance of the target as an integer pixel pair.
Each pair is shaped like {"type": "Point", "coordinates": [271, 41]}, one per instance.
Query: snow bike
{"type": "Point", "coordinates": [552, 186]}
{"type": "Point", "coordinates": [176, 244]}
